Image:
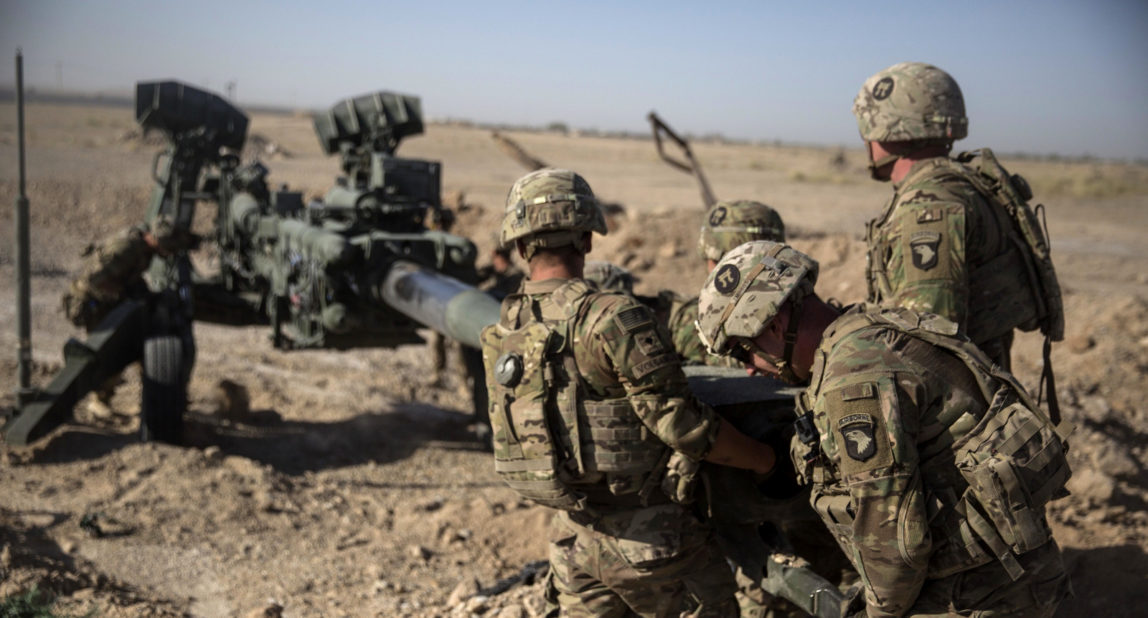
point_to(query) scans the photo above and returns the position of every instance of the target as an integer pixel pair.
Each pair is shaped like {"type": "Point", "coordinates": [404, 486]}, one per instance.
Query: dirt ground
{"type": "Point", "coordinates": [357, 486]}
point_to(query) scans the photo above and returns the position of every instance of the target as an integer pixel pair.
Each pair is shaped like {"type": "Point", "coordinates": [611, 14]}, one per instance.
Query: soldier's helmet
{"type": "Point", "coordinates": [748, 288]}
{"type": "Point", "coordinates": [550, 208]}
{"type": "Point", "coordinates": [609, 276]}
{"type": "Point", "coordinates": [732, 223]}
{"type": "Point", "coordinates": [910, 101]}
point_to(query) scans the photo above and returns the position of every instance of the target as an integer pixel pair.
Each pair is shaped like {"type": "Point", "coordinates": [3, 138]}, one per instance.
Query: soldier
{"type": "Point", "coordinates": [946, 242]}
{"type": "Point", "coordinates": [929, 464]}
{"type": "Point", "coordinates": [592, 416]}
{"type": "Point", "coordinates": [501, 277]}
{"type": "Point", "coordinates": [114, 267]}
{"type": "Point", "coordinates": [112, 271]}
{"type": "Point", "coordinates": [726, 225]}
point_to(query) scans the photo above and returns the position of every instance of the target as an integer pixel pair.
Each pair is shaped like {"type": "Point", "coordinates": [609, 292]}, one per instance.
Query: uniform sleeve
{"type": "Point", "coordinates": [869, 430]}
{"type": "Point", "coordinates": [927, 260]}
{"type": "Point", "coordinates": [684, 333]}
{"type": "Point", "coordinates": [640, 354]}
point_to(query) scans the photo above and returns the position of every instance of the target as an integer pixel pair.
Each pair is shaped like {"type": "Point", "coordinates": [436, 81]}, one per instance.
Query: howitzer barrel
{"type": "Point", "coordinates": [444, 304]}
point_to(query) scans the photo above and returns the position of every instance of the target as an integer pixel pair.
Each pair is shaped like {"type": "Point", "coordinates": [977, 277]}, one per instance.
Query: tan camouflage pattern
{"type": "Point", "coordinates": [645, 370]}
{"type": "Point", "coordinates": [757, 278]}
{"type": "Point", "coordinates": [682, 324]}
{"type": "Point", "coordinates": [551, 203]}
{"type": "Point", "coordinates": [654, 561]}
{"type": "Point", "coordinates": [910, 101]}
{"type": "Point", "coordinates": [609, 276]}
{"type": "Point", "coordinates": [940, 247]}
{"type": "Point", "coordinates": [110, 268]}
{"type": "Point", "coordinates": [891, 411]}
{"type": "Point", "coordinates": [644, 558]}
{"type": "Point", "coordinates": [734, 222]}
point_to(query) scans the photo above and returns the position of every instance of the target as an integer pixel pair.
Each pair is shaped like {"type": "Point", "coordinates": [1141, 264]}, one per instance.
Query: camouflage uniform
{"type": "Point", "coordinates": [728, 224]}
{"type": "Point", "coordinates": [111, 269]}
{"type": "Point", "coordinates": [673, 311]}
{"type": "Point", "coordinates": [940, 245]}
{"type": "Point", "coordinates": [500, 284]}
{"type": "Point", "coordinates": [930, 466]}
{"type": "Point", "coordinates": [588, 406]}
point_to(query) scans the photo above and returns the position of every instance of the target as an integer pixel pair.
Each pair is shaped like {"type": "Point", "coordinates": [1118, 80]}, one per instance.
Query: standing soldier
{"type": "Point", "coordinates": [929, 464]}
{"type": "Point", "coordinates": [592, 416]}
{"type": "Point", "coordinates": [958, 238]}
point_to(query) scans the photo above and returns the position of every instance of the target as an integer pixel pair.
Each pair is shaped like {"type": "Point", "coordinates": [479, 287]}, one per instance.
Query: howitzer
{"type": "Point", "coordinates": [338, 273]}
{"type": "Point", "coordinates": [317, 272]}
{"type": "Point", "coordinates": [153, 324]}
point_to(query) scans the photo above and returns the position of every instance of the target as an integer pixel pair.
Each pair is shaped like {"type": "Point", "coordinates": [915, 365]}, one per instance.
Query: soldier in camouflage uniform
{"type": "Point", "coordinates": [592, 416]}
{"type": "Point", "coordinates": [112, 271]}
{"type": "Point", "coordinates": [727, 224]}
{"type": "Point", "coordinates": [114, 267]}
{"type": "Point", "coordinates": [929, 464]}
{"type": "Point", "coordinates": [943, 243]}
{"type": "Point", "coordinates": [501, 277]}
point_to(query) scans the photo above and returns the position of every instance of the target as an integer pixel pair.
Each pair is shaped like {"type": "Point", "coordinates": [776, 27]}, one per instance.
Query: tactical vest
{"type": "Point", "coordinates": [554, 442]}
{"type": "Point", "coordinates": [1018, 287]}
{"type": "Point", "coordinates": [1009, 462]}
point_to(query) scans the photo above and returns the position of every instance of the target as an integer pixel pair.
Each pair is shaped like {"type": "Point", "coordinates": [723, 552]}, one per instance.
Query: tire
{"type": "Point", "coordinates": [164, 389]}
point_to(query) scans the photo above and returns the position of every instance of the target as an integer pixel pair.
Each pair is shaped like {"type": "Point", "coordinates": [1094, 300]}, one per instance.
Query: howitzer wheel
{"type": "Point", "coordinates": [164, 389]}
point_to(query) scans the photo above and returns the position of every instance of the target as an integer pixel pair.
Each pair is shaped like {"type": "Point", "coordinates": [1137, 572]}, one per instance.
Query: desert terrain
{"type": "Point", "coordinates": [358, 487]}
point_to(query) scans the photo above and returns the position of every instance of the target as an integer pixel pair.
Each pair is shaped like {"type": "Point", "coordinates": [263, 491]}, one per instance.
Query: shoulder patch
{"type": "Point", "coordinates": [925, 247]}
{"type": "Point", "coordinates": [856, 423]}
{"type": "Point", "coordinates": [648, 366]}
{"type": "Point", "coordinates": [630, 320]}
{"type": "Point", "coordinates": [853, 392]}
{"type": "Point", "coordinates": [929, 215]}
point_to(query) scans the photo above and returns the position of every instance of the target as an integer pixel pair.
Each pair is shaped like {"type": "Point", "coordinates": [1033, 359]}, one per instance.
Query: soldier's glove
{"type": "Point", "coordinates": [681, 478]}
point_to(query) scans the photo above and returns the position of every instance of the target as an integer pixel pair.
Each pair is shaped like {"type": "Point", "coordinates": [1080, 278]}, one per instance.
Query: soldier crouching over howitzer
{"type": "Point", "coordinates": [114, 268]}
{"type": "Point", "coordinates": [113, 271]}
{"type": "Point", "coordinates": [592, 416]}
{"type": "Point", "coordinates": [930, 465]}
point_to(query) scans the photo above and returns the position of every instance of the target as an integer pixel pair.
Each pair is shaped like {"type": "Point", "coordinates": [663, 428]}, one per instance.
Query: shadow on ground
{"type": "Point", "coordinates": [289, 446]}
{"type": "Point", "coordinates": [1108, 581]}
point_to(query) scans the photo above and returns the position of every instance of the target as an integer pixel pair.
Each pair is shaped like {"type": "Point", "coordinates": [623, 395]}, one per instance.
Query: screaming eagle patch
{"type": "Point", "coordinates": [858, 436]}
{"type": "Point", "coordinates": [925, 247]}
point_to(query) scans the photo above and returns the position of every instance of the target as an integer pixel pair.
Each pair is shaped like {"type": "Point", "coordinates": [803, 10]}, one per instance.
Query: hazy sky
{"type": "Point", "coordinates": [1038, 76]}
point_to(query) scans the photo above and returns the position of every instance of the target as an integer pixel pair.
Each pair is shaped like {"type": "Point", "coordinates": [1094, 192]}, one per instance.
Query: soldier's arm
{"type": "Point", "coordinates": [928, 263]}
{"type": "Point", "coordinates": [869, 434]}
{"type": "Point", "coordinates": [640, 354]}
{"type": "Point", "coordinates": [683, 329]}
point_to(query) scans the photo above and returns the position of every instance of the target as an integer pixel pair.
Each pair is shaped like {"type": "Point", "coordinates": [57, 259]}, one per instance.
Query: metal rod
{"type": "Point", "coordinates": [23, 276]}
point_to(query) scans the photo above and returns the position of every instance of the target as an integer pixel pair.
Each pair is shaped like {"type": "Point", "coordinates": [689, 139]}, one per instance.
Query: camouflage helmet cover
{"type": "Point", "coordinates": [735, 222]}
{"type": "Point", "coordinates": [748, 288]}
{"type": "Point", "coordinates": [609, 276]}
{"type": "Point", "coordinates": [910, 101]}
{"type": "Point", "coordinates": [550, 207]}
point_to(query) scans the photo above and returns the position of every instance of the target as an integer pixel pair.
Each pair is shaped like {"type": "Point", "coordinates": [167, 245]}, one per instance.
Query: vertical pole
{"type": "Point", "coordinates": [23, 309]}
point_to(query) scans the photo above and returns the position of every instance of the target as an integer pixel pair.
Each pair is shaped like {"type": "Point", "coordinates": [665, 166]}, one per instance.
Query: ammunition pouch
{"type": "Point", "coordinates": [553, 444]}
{"type": "Point", "coordinates": [526, 454]}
